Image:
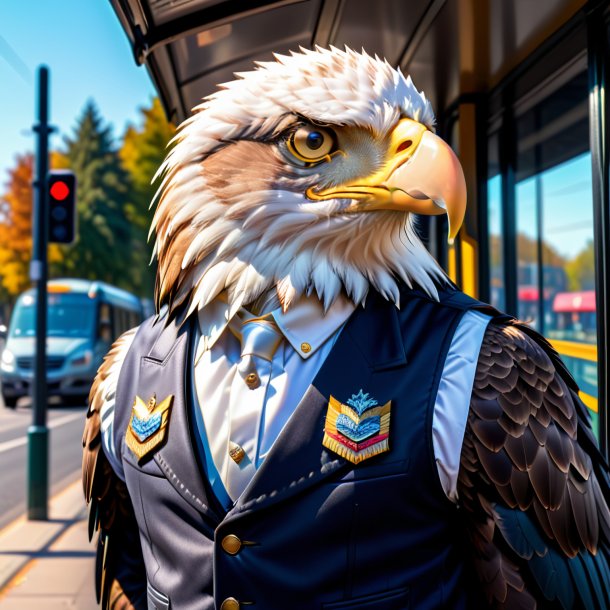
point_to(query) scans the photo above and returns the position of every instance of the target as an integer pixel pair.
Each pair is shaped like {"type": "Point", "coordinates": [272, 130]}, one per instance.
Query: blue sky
{"type": "Point", "coordinates": [567, 206]}
{"type": "Point", "coordinates": [89, 56]}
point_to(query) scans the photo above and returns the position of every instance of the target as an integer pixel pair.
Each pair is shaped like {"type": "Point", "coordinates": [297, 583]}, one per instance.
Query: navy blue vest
{"type": "Point", "coordinates": [313, 530]}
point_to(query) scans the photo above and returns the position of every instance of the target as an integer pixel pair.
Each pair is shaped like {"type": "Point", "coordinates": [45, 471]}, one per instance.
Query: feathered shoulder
{"type": "Point", "coordinates": [533, 485]}
{"type": "Point", "coordinates": [101, 400]}
{"type": "Point", "coordinates": [120, 577]}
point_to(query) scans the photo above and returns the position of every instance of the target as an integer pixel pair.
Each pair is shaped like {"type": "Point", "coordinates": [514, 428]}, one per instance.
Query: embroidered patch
{"type": "Point", "coordinates": [359, 429]}
{"type": "Point", "coordinates": [148, 425]}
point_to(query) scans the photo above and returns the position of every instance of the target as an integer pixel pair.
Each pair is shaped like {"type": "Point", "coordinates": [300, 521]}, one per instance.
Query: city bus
{"type": "Point", "coordinates": [83, 318]}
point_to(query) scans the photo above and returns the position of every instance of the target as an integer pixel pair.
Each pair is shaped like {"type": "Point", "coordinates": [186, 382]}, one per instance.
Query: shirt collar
{"type": "Point", "coordinates": [305, 325]}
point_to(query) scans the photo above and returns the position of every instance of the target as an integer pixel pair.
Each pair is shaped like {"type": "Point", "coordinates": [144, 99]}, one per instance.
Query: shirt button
{"type": "Point", "coordinates": [230, 604]}
{"type": "Point", "coordinates": [305, 348]}
{"type": "Point", "coordinates": [236, 453]}
{"type": "Point", "coordinates": [252, 381]}
{"type": "Point", "coordinates": [231, 544]}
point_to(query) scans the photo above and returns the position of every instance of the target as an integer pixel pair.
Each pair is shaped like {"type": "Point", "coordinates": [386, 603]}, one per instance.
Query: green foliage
{"type": "Point", "coordinates": [581, 269]}
{"type": "Point", "coordinates": [527, 251]}
{"type": "Point", "coordinates": [142, 153]}
{"type": "Point", "coordinates": [103, 246]}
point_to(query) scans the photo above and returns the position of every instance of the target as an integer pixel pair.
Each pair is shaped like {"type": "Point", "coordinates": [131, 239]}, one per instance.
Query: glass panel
{"type": "Point", "coordinates": [385, 31]}
{"type": "Point", "coordinates": [166, 10]}
{"type": "Point", "coordinates": [245, 38]}
{"type": "Point", "coordinates": [527, 253]}
{"type": "Point", "coordinates": [568, 230]}
{"type": "Point", "coordinates": [495, 227]}
{"type": "Point", "coordinates": [554, 209]}
{"type": "Point", "coordinates": [68, 315]}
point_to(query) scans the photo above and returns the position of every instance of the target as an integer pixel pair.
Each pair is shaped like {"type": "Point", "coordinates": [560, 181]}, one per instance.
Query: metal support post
{"type": "Point", "coordinates": [38, 444]}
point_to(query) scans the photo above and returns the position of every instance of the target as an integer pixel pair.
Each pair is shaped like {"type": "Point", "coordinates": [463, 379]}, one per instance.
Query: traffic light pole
{"type": "Point", "coordinates": [38, 433]}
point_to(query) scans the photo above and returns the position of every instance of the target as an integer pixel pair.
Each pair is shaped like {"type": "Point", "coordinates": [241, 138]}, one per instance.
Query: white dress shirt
{"type": "Point", "coordinates": [222, 393]}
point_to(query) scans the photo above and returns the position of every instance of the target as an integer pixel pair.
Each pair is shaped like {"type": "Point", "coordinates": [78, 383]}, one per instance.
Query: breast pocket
{"type": "Point", "coordinates": [396, 599]}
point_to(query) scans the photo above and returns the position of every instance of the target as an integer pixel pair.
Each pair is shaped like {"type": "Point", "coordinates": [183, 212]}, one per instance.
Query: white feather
{"type": "Point", "coordinates": [275, 238]}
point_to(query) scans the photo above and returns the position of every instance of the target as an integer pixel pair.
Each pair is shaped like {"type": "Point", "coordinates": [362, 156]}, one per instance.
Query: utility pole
{"type": "Point", "coordinates": [38, 433]}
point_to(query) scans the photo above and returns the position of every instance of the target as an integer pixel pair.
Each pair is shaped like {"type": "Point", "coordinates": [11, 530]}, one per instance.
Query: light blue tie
{"type": "Point", "coordinates": [260, 339]}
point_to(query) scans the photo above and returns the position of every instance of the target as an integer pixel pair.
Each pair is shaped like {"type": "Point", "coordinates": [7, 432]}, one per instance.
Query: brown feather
{"type": "Point", "coordinates": [490, 433]}
{"type": "Point", "coordinates": [503, 585]}
{"type": "Point", "coordinates": [522, 489]}
{"type": "Point", "coordinates": [92, 432]}
{"type": "Point", "coordinates": [521, 450]}
{"type": "Point", "coordinates": [111, 511]}
{"type": "Point", "coordinates": [561, 453]}
{"type": "Point", "coordinates": [226, 170]}
{"type": "Point", "coordinates": [584, 523]}
{"type": "Point", "coordinates": [542, 517]}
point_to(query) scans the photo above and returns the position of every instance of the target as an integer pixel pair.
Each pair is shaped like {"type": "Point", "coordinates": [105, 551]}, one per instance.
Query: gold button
{"type": "Point", "coordinates": [231, 544]}
{"type": "Point", "coordinates": [230, 604]}
{"type": "Point", "coordinates": [252, 381]}
{"type": "Point", "coordinates": [305, 348]}
{"type": "Point", "coordinates": [236, 453]}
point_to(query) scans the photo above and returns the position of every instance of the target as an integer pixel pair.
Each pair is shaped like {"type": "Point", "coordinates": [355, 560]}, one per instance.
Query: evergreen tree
{"type": "Point", "coordinates": [103, 247]}
{"type": "Point", "coordinates": [142, 153]}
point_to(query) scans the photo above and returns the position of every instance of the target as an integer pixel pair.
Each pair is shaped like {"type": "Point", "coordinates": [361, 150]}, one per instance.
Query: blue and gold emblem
{"type": "Point", "coordinates": [359, 429]}
{"type": "Point", "coordinates": [148, 425]}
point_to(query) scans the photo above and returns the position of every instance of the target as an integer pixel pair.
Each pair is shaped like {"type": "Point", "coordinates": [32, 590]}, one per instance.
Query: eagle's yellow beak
{"type": "Point", "coordinates": [422, 175]}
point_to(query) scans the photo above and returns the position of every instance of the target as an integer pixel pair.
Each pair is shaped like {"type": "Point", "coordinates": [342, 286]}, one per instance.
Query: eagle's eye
{"type": "Point", "coordinates": [310, 143]}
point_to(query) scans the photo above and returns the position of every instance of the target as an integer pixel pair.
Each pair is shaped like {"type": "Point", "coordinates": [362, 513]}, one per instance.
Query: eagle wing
{"type": "Point", "coordinates": [533, 485]}
{"type": "Point", "coordinates": [120, 574]}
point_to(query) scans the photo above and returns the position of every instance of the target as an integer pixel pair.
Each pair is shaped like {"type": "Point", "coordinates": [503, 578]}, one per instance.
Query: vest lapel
{"type": "Point", "coordinates": [298, 459]}
{"type": "Point", "coordinates": [164, 371]}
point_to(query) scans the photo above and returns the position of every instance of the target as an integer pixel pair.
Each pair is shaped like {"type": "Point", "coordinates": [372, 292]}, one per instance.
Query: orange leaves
{"type": "Point", "coordinates": [16, 225]}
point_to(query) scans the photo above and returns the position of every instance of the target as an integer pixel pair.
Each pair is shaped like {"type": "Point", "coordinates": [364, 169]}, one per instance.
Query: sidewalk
{"type": "Point", "coordinates": [49, 564]}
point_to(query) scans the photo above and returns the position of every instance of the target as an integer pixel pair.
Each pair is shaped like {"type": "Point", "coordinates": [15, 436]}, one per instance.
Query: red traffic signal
{"type": "Point", "coordinates": [62, 206]}
{"type": "Point", "coordinates": [59, 190]}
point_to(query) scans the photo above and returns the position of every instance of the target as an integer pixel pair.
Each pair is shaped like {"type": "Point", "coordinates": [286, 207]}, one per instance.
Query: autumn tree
{"type": "Point", "coordinates": [143, 151]}
{"type": "Point", "coordinates": [16, 228]}
{"type": "Point", "coordinates": [581, 269]}
{"type": "Point", "coordinates": [103, 247]}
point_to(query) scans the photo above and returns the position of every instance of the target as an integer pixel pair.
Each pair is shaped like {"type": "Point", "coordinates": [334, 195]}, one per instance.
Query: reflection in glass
{"type": "Point", "coordinates": [569, 230]}
{"type": "Point", "coordinates": [562, 197]}
{"type": "Point", "coordinates": [496, 255]}
{"type": "Point", "coordinates": [554, 221]}
{"type": "Point", "coordinates": [495, 227]}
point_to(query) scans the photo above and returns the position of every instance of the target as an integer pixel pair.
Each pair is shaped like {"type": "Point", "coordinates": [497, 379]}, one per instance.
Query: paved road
{"type": "Point", "coordinates": [66, 429]}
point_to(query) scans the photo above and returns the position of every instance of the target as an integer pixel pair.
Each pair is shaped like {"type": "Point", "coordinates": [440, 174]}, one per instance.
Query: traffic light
{"type": "Point", "coordinates": [62, 206]}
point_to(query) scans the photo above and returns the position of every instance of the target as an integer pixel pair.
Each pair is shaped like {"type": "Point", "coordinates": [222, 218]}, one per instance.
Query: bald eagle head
{"type": "Point", "coordinates": [302, 177]}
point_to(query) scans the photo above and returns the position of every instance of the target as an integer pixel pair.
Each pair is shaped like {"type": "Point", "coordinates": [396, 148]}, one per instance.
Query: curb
{"type": "Point", "coordinates": [22, 541]}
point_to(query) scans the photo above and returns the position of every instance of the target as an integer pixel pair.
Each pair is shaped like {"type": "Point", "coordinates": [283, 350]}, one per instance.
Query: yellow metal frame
{"type": "Point", "coordinates": [451, 263]}
{"type": "Point", "coordinates": [469, 265]}
{"type": "Point", "coordinates": [589, 400]}
{"type": "Point", "coordinates": [582, 351]}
